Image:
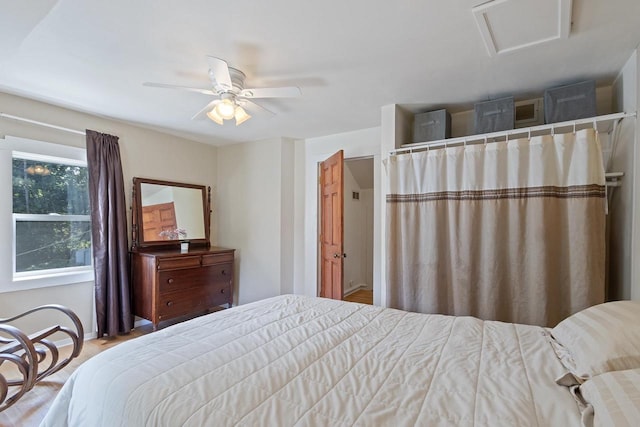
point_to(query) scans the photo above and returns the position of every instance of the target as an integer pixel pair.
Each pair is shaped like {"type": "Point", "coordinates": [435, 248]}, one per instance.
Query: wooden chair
{"type": "Point", "coordinates": [29, 353]}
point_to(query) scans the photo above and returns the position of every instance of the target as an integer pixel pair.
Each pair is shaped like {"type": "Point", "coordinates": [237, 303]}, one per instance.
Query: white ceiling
{"type": "Point", "coordinates": [349, 57]}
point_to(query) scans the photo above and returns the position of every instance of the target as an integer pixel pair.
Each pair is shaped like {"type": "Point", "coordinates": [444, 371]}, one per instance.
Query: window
{"type": "Point", "coordinates": [44, 214]}
{"type": "Point", "coordinates": [51, 223]}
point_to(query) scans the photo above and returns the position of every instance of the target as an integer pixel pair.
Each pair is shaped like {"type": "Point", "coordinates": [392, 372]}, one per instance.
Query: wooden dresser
{"type": "Point", "coordinates": [168, 283]}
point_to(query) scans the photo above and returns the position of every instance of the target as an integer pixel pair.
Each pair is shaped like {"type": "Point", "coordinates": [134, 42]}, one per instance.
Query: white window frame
{"type": "Point", "coordinates": [23, 148]}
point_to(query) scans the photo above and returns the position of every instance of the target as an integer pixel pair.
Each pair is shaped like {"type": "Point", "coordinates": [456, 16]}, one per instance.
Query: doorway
{"type": "Point", "coordinates": [358, 230]}
{"type": "Point", "coordinates": [346, 222]}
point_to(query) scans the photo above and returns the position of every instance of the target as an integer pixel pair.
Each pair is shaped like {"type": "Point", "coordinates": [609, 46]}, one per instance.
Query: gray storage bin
{"type": "Point", "coordinates": [494, 116]}
{"type": "Point", "coordinates": [571, 102]}
{"type": "Point", "coordinates": [431, 126]}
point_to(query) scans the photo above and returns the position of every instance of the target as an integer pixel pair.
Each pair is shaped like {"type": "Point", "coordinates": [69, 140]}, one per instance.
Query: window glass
{"type": "Point", "coordinates": [49, 188]}
{"type": "Point", "coordinates": [51, 215]}
{"type": "Point", "coordinates": [46, 245]}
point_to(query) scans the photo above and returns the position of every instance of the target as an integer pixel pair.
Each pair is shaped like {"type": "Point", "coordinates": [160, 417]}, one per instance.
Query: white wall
{"type": "Point", "coordinates": [353, 274]}
{"type": "Point", "coordinates": [255, 215]}
{"type": "Point", "coordinates": [299, 220]}
{"type": "Point", "coordinates": [287, 217]}
{"type": "Point", "coordinates": [621, 210]}
{"type": "Point", "coordinates": [366, 196]}
{"type": "Point", "coordinates": [360, 143]}
{"type": "Point", "coordinates": [145, 153]}
{"type": "Point", "coordinates": [635, 248]}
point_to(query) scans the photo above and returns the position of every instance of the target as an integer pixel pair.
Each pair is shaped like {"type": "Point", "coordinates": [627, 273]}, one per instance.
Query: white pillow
{"type": "Point", "coordinates": [602, 338]}
{"type": "Point", "coordinates": [613, 399]}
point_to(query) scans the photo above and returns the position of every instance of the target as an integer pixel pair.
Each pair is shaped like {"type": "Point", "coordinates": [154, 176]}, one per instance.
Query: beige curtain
{"type": "Point", "coordinates": [511, 231]}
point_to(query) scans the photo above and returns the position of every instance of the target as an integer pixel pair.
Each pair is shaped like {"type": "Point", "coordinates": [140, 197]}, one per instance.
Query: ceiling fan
{"type": "Point", "coordinates": [228, 85]}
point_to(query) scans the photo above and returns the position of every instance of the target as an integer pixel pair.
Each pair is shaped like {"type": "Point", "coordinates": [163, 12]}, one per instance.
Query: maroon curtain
{"type": "Point", "coordinates": [109, 232]}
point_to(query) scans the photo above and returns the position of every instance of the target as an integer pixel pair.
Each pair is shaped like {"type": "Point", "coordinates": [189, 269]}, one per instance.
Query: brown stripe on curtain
{"type": "Point", "coordinates": [592, 190]}
{"type": "Point", "coordinates": [109, 233]}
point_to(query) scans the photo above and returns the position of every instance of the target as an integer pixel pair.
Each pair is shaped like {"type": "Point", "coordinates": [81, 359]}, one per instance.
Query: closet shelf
{"type": "Point", "coordinates": [606, 123]}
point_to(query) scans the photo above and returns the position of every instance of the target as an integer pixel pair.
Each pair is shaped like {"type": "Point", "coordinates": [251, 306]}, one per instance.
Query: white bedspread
{"type": "Point", "coordinates": [302, 361]}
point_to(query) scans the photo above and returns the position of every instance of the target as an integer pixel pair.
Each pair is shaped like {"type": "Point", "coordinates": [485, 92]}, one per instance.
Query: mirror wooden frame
{"type": "Point", "coordinates": [137, 236]}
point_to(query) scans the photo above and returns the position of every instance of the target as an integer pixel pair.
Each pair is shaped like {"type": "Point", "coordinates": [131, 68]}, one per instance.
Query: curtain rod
{"type": "Point", "coordinates": [48, 125]}
{"type": "Point", "coordinates": [615, 118]}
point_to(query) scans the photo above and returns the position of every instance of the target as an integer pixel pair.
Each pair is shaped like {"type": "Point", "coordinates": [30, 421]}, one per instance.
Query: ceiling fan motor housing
{"type": "Point", "coordinates": [237, 81]}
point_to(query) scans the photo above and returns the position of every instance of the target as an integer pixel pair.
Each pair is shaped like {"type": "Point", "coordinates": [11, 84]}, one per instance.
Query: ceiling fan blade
{"type": "Point", "coordinates": [271, 92]}
{"type": "Point", "coordinates": [190, 89]}
{"type": "Point", "coordinates": [253, 107]}
{"type": "Point", "coordinates": [219, 70]}
{"type": "Point", "coordinates": [207, 108]}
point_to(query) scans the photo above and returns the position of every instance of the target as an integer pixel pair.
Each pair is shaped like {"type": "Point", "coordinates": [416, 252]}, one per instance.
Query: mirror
{"type": "Point", "coordinates": [167, 213]}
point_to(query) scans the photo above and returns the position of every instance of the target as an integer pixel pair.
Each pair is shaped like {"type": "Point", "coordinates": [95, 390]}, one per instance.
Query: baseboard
{"type": "Point", "coordinates": [355, 289]}
{"type": "Point", "coordinates": [93, 335]}
{"type": "Point", "coordinates": [68, 341]}
{"type": "Point", "coordinates": [348, 292]}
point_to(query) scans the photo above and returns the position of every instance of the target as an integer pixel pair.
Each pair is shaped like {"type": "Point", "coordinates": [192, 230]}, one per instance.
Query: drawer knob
{"type": "Point", "coordinates": [222, 291]}
{"type": "Point", "coordinates": [170, 281]}
{"type": "Point", "coordinates": [169, 303]}
{"type": "Point", "coordinates": [224, 272]}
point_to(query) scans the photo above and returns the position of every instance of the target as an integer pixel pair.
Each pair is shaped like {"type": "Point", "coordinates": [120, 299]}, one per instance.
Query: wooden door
{"type": "Point", "coordinates": [157, 218]}
{"type": "Point", "coordinates": [331, 226]}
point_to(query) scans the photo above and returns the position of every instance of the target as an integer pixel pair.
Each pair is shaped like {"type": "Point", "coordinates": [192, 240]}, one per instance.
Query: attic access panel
{"type": "Point", "coordinates": [509, 25]}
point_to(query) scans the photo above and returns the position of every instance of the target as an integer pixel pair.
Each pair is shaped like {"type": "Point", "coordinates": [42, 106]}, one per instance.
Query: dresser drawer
{"type": "Point", "coordinates": [210, 259]}
{"type": "Point", "coordinates": [220, 272]}
{"type": "Point", "coordinates": [181, 303]}
{"type": "Point", "coordinates": [178, 304]}
{"type": "Point", "coordinates": [189, 278]}
{"type": "Point", "coordinates": [181, 280]}
{"type": "Point", "coordinates": [220, 293]}
{"type": "Point", "coordinates": [178, 262]}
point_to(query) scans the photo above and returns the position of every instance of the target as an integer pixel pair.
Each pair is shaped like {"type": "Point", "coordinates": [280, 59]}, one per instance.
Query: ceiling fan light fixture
{"type": "Point", "coordinates": [213, 115]}
{"type": "Point", "coordinates": [241, 116]}
{"type": "Point", "coordinates": [226, 109]}
{"type": "Point", "coordinates": [39, 170]}
{"type": "Point", "coordinates": [228, 85]}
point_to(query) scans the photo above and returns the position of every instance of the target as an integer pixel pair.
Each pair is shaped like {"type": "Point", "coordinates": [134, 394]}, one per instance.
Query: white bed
{"type": "Point", "coordinates": [293, 360]}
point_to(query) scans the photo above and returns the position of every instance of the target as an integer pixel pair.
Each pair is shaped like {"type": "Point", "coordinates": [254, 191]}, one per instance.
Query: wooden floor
{"type": "Point", "coordinates": [32, 407]}
{"type": "Point", "coordinates": [363, 296]}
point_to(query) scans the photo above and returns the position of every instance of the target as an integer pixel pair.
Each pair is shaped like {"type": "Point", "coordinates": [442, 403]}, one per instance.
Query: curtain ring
{"type": "Point", "coordinates": [465, 143]}
{"type": "Point", "coordinates": [529, 134]}
{"type": "Point", "coordinates": [485, 141]}
{"type": "Point", "coordinates": [595, 126]}
{"type": "Point", "coordinates": [553, 131]}
{"type": "Point", "coordinates": [506, 137]}
{"type": "Point", "coordinates": [574, 128]}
